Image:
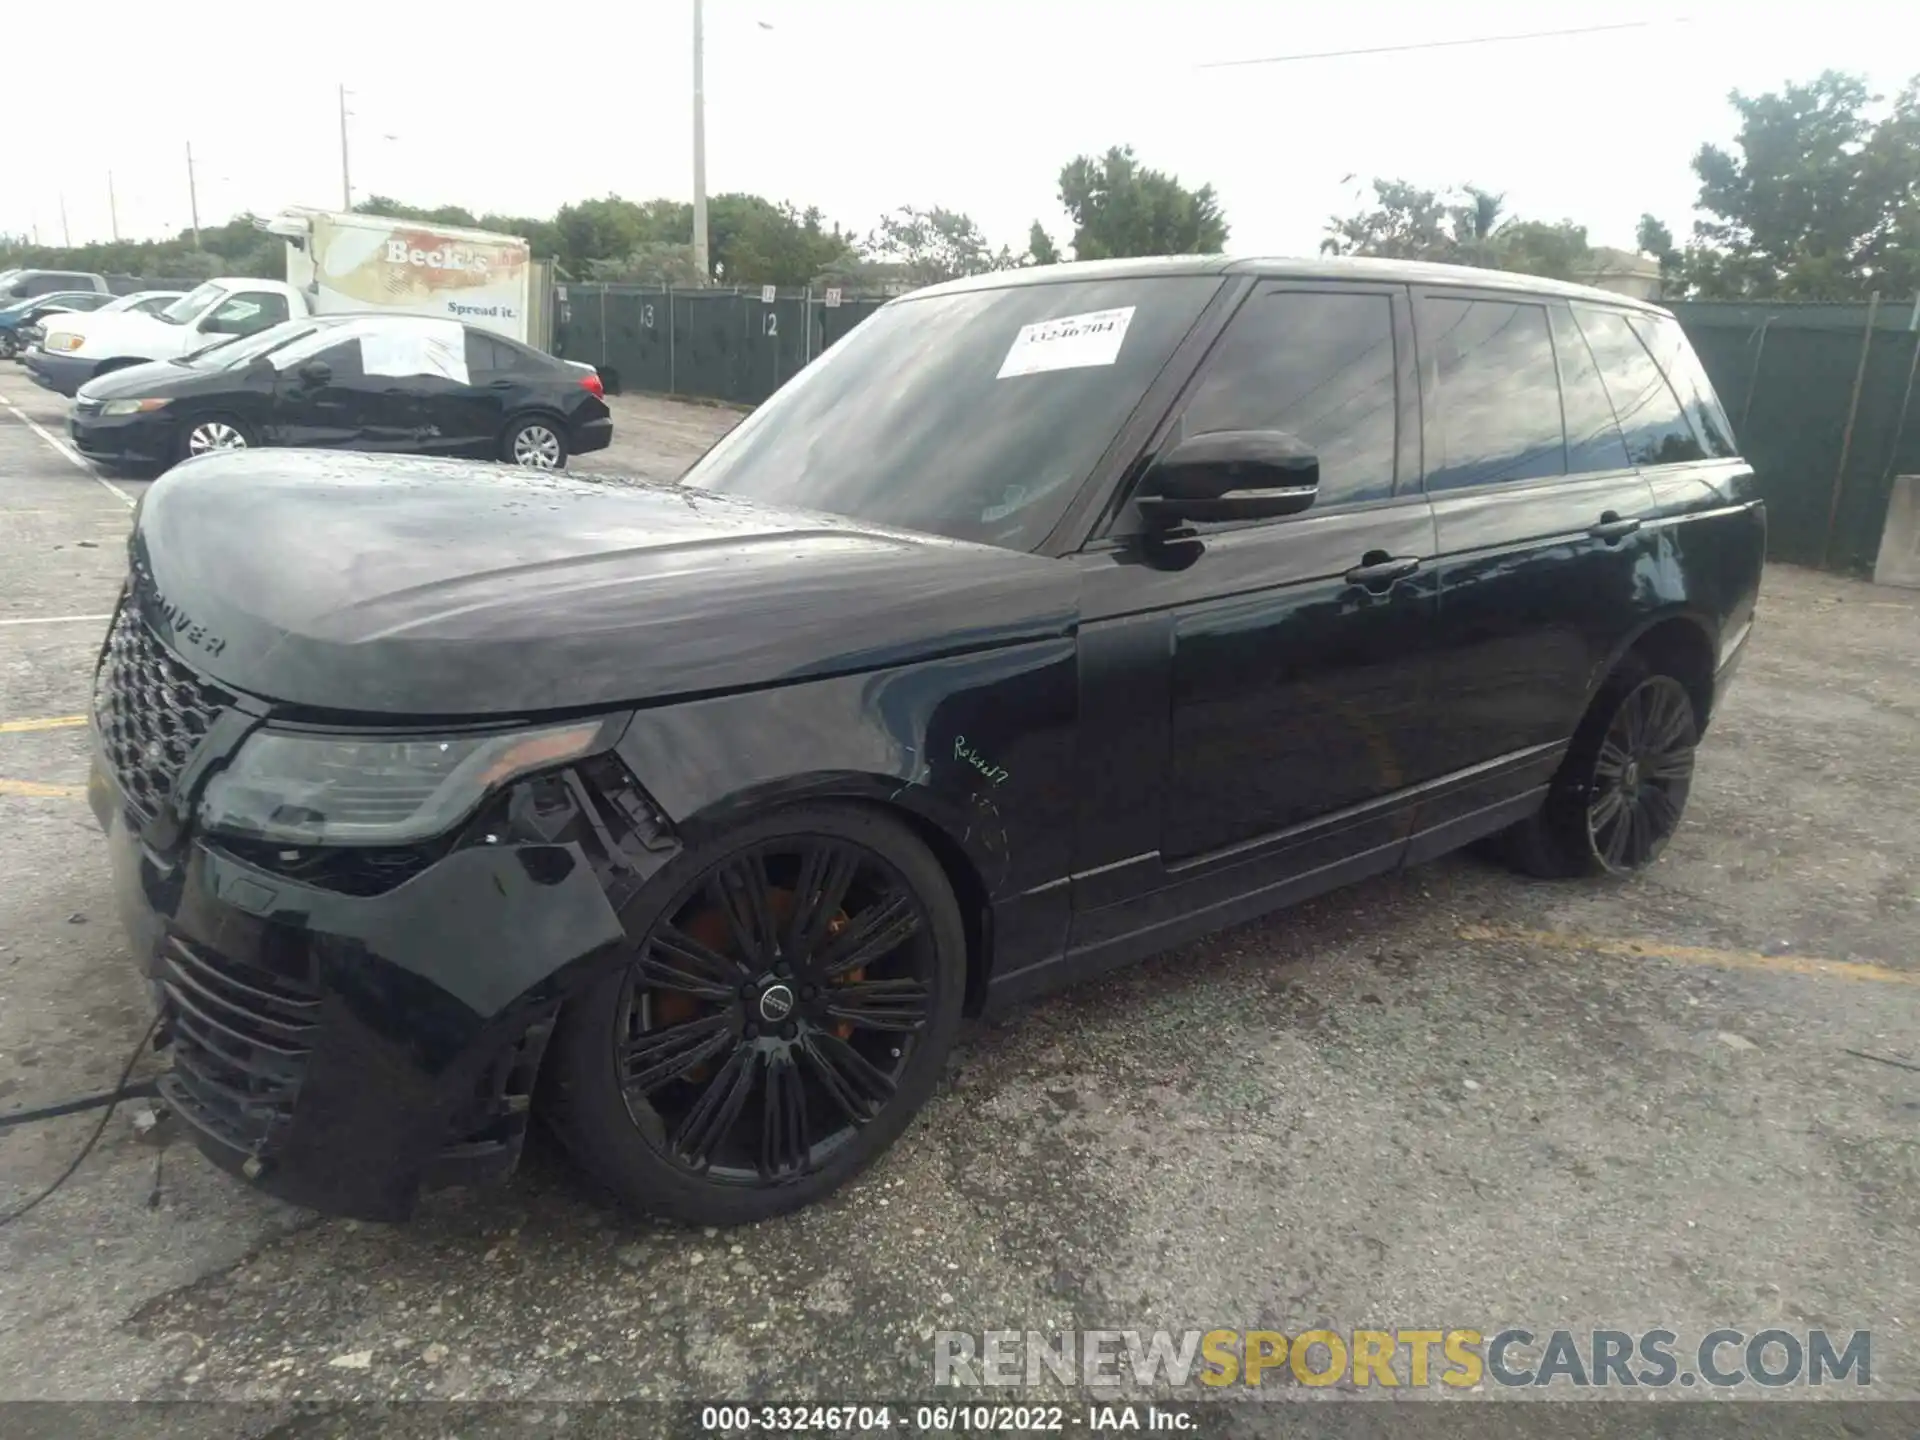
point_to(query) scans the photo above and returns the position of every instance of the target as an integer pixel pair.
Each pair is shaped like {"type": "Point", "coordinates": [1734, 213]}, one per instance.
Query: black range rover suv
{"type": "Point", "coordinates": [1049, 619]}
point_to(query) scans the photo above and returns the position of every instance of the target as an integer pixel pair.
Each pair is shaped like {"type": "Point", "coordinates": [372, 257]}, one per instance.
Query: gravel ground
{"type": "Point", "coordinates": [1446, 1098]}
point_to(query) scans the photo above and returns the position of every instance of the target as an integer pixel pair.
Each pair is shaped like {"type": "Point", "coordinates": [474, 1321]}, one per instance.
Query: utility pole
{"type": "Point", "coordinates": [193, 197]}
{"type": "Point", "coordinates": [66, 235]}
{"type": "Point", "coordinates": [346, 182]}
{"type": "Point", "coordinates": [113, 209]}
{"type": "Point", "coordinates": [699, 149]}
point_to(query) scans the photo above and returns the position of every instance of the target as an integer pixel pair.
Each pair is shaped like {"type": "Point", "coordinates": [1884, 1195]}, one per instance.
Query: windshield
{"type": "Point", "coordinates": [189, 305]}
{"type": "Point", "coordinates": [963, 415]}
{"type": "Point", "coordinates": [244, 349]}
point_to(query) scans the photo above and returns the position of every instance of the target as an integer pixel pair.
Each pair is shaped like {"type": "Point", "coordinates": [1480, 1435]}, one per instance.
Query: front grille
{"type": "Point", "coordinates": [88, 407]}
{"type": "Point", "coordinates": [241, 1037]}
{"type": "Point", "coordinates": [150, 710]}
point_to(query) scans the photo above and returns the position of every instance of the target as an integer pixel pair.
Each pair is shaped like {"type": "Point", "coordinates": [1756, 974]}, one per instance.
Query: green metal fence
{"type": "Point", "coordinates": [733, 345]}
{"type": "Point", "coordinates": [1821, 398]}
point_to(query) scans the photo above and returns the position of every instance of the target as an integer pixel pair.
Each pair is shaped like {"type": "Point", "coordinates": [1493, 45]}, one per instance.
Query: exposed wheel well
{"type": "Point", "coordinates": [535, 412]}
{"type": "Point", "coordinates": [1680, 648]}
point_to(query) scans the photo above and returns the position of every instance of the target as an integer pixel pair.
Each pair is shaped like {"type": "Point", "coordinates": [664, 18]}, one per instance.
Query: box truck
{"type": "Point", "coordinates": [338, 263]}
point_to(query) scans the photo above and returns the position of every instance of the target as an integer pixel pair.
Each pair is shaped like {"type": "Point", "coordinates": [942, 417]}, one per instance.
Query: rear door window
{"type": "Point", "coordinates": [485, 353]}
{"type": "Point", "coordinates": [1656, 430]}
{"type": "Point", "coordinates": [1489, 367]}
{"type": "Point", "coordinates": [1668, 344]}
{"type": "Point", "coordinates": [1593, 436]}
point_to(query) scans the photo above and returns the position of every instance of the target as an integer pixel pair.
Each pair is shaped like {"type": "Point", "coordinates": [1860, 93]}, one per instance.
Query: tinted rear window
{"type": "Point", "coordinates": [1657, 432]}
{"type": "Point", "coordinates": [1674, 355]}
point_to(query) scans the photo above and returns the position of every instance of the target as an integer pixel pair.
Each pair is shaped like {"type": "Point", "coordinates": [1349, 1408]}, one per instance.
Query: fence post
{"type": "Point", "coordinates": [1846, 439]}
{"type": "Point", "coordinates": [603, 325]}
{"type": "Point", "coordinates": [1753, 376]}
{"type": "Point", "coordinates": [673, 384]}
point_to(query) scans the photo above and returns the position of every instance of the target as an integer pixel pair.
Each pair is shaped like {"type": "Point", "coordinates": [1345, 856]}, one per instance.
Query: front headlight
{"type": "Point", "coordinates": [130, 407]}
{"type": "Point", "coordinates": [351, 790]}
{"type": "Point", "coordinates": [65, 341]}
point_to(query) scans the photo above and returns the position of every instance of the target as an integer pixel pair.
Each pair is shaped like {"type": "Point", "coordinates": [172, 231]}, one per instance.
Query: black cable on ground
{"type": "Point", "coordinates": [139, 1090]}
{"type": "Point", "coordinates": [119, 1086]}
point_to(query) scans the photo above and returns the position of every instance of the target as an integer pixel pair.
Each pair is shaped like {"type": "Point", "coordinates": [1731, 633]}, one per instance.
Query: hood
{"type": "Point", "coordinates": [118, 328]}
{"type": "Point", "coordinates": [155, 377]}
{"type": "Point", "coordinates": [395, 587]}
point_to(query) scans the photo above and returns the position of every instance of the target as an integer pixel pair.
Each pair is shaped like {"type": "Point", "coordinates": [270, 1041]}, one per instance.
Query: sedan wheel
{"type": "Point", "coordinates": [787, 1012]}
{"type": "Point", "coordinates": [210, 435]}
{"type": "Point", "coordinates": [537, 446]}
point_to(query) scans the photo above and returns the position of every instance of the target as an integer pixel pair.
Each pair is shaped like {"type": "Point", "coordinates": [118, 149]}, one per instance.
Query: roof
{"type": "Point", "coordinates": [1325, 267]}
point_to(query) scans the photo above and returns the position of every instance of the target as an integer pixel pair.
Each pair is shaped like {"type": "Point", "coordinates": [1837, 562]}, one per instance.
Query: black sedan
{"type": "Point", "coordinates": [401, 384]}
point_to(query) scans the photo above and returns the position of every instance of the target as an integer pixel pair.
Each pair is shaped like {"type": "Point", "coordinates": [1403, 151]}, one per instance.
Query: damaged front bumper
{"type": "Point", "coordinates": [347, 1029]}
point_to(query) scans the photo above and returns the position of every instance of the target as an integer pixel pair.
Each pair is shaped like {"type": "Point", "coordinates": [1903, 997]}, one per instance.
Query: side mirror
{"type": "Point", "coordinates": [1231, 475]}
{"type": "Point", "coordinates": [316, 372]}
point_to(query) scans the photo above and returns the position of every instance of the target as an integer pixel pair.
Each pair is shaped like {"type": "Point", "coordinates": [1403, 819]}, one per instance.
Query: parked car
{"type": "Point", "coordinates": [25, 284]}
{"type": "Point", "coordinates": [369, 382]}
{"type": "Point", "coordinates": [17, 319]}
{"type": "Point", "coordinates": [140, 302]}
{"type": "Point", "coordinates": [75, 353]}
{"type": "Point", "coordinates": [1050, 618]}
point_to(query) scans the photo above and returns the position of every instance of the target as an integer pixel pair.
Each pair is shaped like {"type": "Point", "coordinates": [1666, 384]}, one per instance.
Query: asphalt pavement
{"type": "Point", "coordinates": [1448, 1098]}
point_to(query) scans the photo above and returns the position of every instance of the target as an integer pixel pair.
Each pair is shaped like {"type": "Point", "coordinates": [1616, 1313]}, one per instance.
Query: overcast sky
{"type": "Point", "coordinates": [858, 106]}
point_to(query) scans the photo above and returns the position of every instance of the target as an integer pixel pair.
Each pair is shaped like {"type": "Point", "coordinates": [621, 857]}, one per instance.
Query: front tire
{"type": "Point", "coordinates": [207, 434]}
{"type": "Point", "coordinates": [788, 1010]}
{"type": "Point", "coordinates": [1619, 794]}
{"type": "Point", "coordinates": [536, 442]}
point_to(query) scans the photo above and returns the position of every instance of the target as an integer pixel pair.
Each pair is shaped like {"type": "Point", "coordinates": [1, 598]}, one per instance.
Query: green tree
{"type": "Point", "coordinates": [753, 241]}
{"type": "Point", "coordinates": [1121, 207]}
{"type": "Point", "coordinates": [390, 209]}
{"type": "Point", "coordinates": [1464, 227]}
{"type": "Point", "coordinates": [1040, 247]}
{"type": "Point", "coordinates": [1818, 197]}
{"type": "Point", "coordinates": [928, 246]}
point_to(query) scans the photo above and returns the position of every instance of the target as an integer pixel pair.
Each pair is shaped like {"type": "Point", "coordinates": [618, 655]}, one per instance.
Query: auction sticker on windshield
{"type": "Point", "coordinates": [1072, 342]}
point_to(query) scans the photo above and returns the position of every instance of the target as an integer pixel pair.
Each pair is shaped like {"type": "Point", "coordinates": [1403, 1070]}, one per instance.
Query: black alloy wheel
{"type": "Point", "coordinates": [1641, 775]}
{"type": "Point", "coordinates": [786, 1013]}
{"type": "Point", "coordinates": [1622, 788]}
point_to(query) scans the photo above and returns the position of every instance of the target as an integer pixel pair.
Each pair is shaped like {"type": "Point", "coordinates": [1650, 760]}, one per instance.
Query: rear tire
{"type": "Point", "coordinates": [536, 442]}
{"type": "Point", "coordinates": [1620, 792]}
{"type": "Point", "coordinates": [786, 1013]}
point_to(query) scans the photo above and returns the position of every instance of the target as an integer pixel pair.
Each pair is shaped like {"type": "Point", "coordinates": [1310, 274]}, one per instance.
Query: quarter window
{"type": "Point", "coordinates": [1316, 365]}
{"type": "Point", "coordinates": [1490, 369]}
{"type": "Point", "coordinates": [1656, 431]}
{"type": "Point", "coordinates": [1667, 343]}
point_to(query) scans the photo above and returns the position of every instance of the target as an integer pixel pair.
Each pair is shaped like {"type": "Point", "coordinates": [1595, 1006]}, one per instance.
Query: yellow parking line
{"type": "Point", "coordinates": [54, 722]}
{"type": "Point", "coordinates": [33, 789]}
{"type": "Point", "coordinates": [1698, 955]}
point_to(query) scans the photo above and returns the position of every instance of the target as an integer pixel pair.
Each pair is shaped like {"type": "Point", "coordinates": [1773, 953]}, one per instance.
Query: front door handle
{"type": "Point", "coordinates": [1378, 570]}
{"type": "Point", "coordinates": [1612, 527]}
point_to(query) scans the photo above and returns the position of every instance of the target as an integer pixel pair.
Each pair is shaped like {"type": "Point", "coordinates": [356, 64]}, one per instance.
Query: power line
{"type": "Point", "coordinates": [1440, 44]}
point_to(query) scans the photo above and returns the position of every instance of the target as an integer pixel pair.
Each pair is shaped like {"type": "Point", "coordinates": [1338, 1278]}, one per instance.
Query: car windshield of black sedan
{"type": "Point", "coordinates": [974, 415]}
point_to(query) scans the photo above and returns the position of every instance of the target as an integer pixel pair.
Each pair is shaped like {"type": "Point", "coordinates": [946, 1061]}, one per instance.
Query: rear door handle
{"type": "Point", "coordinates": [1611, 527]}
{"type": "Point", "coordinates": [500, 384]}
{"type": "Point", "coordinates": [1378, 570]}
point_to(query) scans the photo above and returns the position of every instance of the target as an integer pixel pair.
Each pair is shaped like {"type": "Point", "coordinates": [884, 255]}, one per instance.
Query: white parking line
{"type": "Point", "coordinates": [57, 620]}
{"type": "Point", "coordinates": [71, 455]}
